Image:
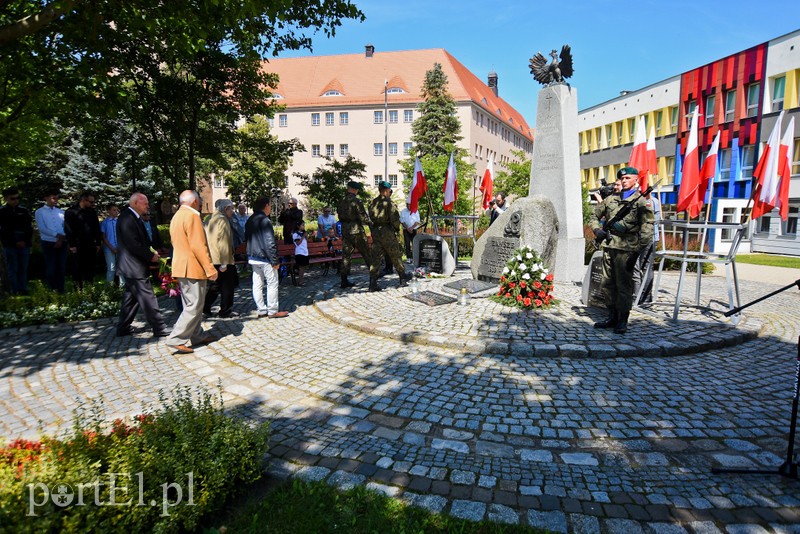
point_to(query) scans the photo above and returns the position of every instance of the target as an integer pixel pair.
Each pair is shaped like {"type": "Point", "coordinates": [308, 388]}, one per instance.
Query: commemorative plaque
{"type": "Point", "coordinates": [497, 252]}
{"type": "Point", "coordinates": [591, 292]}
{"type": "Point", "coordinates": [430, 298]}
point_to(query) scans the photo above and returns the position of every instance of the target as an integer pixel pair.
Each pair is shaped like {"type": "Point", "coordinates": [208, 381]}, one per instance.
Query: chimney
{"type": "Point", "coordinates": [492, 82]}
{"type": "Point", "coordinates": [369, 50]}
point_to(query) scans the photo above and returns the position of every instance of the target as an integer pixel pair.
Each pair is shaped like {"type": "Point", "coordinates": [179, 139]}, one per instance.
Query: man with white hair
{"type": "Point", "coordinates": [192, 266]}
{"type": "Point", "coordinates": [135, 256]}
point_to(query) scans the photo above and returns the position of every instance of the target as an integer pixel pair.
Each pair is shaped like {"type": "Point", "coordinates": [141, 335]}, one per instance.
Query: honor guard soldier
{"type": "Point", "coordinates": [624, 239]}
{"type": "Point", "coordinates": [353, 217]}
{"type": "Point", "coordinates": [386, 225]}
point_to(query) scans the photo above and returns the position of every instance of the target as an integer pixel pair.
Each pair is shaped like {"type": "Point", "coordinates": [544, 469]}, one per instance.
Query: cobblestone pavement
{"type": "Point", "coordinates": [479, 411]}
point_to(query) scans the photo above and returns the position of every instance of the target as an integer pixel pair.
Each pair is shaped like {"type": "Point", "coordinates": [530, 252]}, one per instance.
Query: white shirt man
{"type": "Point", "coordinates": [410, 222]}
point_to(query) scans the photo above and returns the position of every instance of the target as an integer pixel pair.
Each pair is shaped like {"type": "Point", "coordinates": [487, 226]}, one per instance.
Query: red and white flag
{"type": "Point", "coordinates": [652, 158]}
{"type": "Point", "coordinates": [785, 158]}
{"type": "Point", "coordinates": [765, 193]}
{"type": "Point", "coordinates": [418, 187]}
{"type": "Point", "coordinates": [487, 184]}
{"type": "Point", "coordinates": [450, 185]}
{"type": "Point", "coordinates": [691, 174]}
{"type": "Point", "coordinates": [708, 172]}
{"type": "Point", "coordinates": [639, 158]}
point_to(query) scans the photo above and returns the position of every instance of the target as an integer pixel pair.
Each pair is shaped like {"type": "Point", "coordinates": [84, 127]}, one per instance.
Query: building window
{"type": "Point", "coordinates": [393, 180]}
{"type": "Point", "coordinates": [796, 162]}
{"type": "Point", "coordinates": [395, 91]}
{"type": "Point", "coordinates": [329, 119]}
{"type": "Point", "coordinates": [329, 151]}
{"type": "Point", "coordinates": [392, 149]}
{"type": "Point", "coordinates": [392, 116]}
{"type": "Point", "coordinates": [659, 120]}
{"type": "Point", "coordinates": [730, 105]}
{"type": "Point", "coordinates": [728, 216]}
{"type": "Point", "coordinates": [378, 179]}
{"type": "Point", "coordinates": [315, 119]}
{"type": "Point", "coordinates": [283, 120]}
{"type": "Point", "coordinates": [332, 92]}
{"type": "Point", "coordinates": [724, 165]}
{"type": "Point", "coordinates": [670, 161]}
{"type": "Point", "coordinates": [752, 99]}
{"type": "Point", "coordinates": [408, 115]}
{"type": "Point", "coordinates": [344, 118]}
{"type": "Point", "coordinates": [217, 180]}
{"type": "Point", "coordinates": [344, 150]}
{"type": "Point", "coordinates": [673, 117]}
{"type": "Point", "coordinates": [619, 133]}
{"type": "Point", "coordinates": [690, 107]}
{"type": "Point", "coordinates": [748, 158]}
{"type": "Point", "coordinates": [377, 117]}
{"type": "Point", "coordinates": [314, 151]}
{"type": "Point", "coordinates": [790, 225]}
{"type": "Point", "coordinates": [407, 149]}
{"type": "Point", "coordinates": [609, 139]}
{"type": "Point", "coordinates": [271, 122]}
{"type": "Point", "coordinates": [377, 149]}
{"type": "Point", "coordinates": [710, 101]}
{"type": "Point", "coordinates": [778, 89]}
{"type": "Point", "coordinates": [763, 226]}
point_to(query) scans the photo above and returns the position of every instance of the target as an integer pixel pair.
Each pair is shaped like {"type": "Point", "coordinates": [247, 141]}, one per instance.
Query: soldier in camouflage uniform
{"type": "Point", "coordinates": [353, 217]}
{"type": "Point", "coordinates": [629, 238]}
{"type": "Point", "coordinates": [386, 221]}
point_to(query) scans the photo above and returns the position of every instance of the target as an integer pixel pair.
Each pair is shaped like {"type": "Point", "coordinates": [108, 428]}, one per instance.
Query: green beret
{"type": "Point", "coordinates": [384, 185]}
{"type": "Point", "coordinates": [352, 184]}
{"type": "Point", "coordinates": [626, 170]}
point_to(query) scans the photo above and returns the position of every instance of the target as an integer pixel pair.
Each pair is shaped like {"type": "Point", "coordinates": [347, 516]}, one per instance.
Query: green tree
{"type": "Point", "coordinates": [328, 184]}
{"type": "Point", "coordinates": [258, 162]}
{"type": "Point", "coordinates": [514, 178]}
{"type": "Point", "coordinates": [437, 128]}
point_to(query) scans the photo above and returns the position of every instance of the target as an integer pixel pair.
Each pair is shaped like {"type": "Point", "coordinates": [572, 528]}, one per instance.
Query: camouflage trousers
{"type": "Point", "coordinates": [384, 239]}
{"type": "Point", "coordinates": [617, 279]}
{"type": "Point", "coordinates": [350, 243]}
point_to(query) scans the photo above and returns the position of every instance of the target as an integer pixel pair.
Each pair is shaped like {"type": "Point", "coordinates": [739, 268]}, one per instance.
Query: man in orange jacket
{"type": "Point", "coordinates": [192, 266]}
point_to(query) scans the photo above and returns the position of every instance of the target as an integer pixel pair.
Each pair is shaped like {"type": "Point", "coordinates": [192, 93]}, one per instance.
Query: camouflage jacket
{"type": "Point", "coordinates": [634, 232]}
{"type": "Point", "coordinates": [352, 215]}
{"type": "Point", "coordinates": [383, 212]}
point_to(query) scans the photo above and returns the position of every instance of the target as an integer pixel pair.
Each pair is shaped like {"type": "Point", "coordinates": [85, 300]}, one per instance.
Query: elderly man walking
{"type": "Point", "coordinates": [192, 266]}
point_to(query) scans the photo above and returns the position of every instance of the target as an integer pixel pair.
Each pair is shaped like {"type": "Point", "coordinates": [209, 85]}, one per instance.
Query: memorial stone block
{"type": "Point", "coordinates": [433, 253]}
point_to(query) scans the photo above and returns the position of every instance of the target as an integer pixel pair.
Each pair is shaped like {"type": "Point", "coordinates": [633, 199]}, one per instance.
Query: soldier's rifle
{"type": "Point", "coordinates": [607, 230]}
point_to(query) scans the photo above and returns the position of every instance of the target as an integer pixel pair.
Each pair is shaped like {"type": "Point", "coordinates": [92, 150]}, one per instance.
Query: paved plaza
{"type": "Point", "coordinates": [479, 411]}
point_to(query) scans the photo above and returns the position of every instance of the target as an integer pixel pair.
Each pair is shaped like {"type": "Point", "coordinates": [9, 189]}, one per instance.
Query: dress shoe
{"type": "Point", "coordinates": [181, 349]}
{"type": "Point", "coordinates": [205, 341]}
{"type": "Point", "coordinates": [278, 315]}
{"type": "Point", "coordinates": [160, 334]}
{"type": "Point", "coordinates": [122, 332]}
{"type": "Point", "coordinates": [228, 315]}
{"type": "Point", "coordinates": [610, 321]}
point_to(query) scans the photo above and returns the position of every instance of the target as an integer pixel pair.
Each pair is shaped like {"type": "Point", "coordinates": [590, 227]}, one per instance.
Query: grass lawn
{"type": "Point", "coordinates": [769, 259]}
{"type": "Point", "coordinates": [302, 507]}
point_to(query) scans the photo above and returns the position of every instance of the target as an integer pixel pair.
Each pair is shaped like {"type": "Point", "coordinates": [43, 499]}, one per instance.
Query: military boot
{"type": "Point", "coordinates": [405, 277]}
{"type": "Point", "coordinates": [622, 324]}
{"type": "Point", "coordinates": [373, 284]}
{"type": "Point", "coordinates": [346, 283]}
{"type": "Point", "coordinates": [611, 320]}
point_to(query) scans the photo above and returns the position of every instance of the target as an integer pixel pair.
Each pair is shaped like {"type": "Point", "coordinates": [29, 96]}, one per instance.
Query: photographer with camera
{"type": "Point", "coordinates": [629, 237]}
{"type": "Point", "coordinates": [496, 207]}
{"type": "Point", "coordinates": [300, 251]}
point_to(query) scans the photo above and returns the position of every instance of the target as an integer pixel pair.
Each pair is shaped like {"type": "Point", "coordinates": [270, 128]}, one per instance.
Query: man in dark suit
{"type": "Point", "coordinates": [135, 256]}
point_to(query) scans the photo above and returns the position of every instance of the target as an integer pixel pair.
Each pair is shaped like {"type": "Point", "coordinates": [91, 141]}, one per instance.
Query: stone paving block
{"type": "Point", "coordinates": [745, 529]}
{"type": "Point", "coordinates": [457, 446]}
{"type": "Point", "coordinates": [432, 503]}
{"type": "Point", "coordinates": [462, 477]}
{"type": "Point", "coordinates": [536, 456]}
{"type": "Point", "coordinates": [458, 435]}
{"type": "Point", "coordinates": [704, 527]}
{"type": "Point", "coordinates": [530, 490]}
{"type": "Point", "coordinates": [356, 413]}
{"type": "Point", "coordinates": [584, 524]}
{"type": "Point", "coordinates": [487, 481]}
{"type": "Point", "coordinates": [345, 481]}
{"type": "Point", "coordinates": [785, 529]}
{"type": "Point", "coordinates": [340, 421]}
{"type": "Point", "coordinates": [389, 491]}
{"type": "Point", "coordinates": [579, 458]}
{"type": "Point", "coordinates": [623, 526]}
{"type": "Point", "coordinates": [664, 528]}
{"type": "Point", "coordinates": [313, 473]}
{"type": "Point", "coordinates": [554, 521]}
{"type": "Point", "coordinates": [470, 510]}
{"type": "Point", "coordinates": [503, 514]}
{"type": "Point", "coordinates": [499, 450]}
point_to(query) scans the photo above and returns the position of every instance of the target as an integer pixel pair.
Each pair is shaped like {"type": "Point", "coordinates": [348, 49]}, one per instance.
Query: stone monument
{"type": "Point", "coordinates": [433, 253]}
{"type": "Point", "coordinates": [555, 174]}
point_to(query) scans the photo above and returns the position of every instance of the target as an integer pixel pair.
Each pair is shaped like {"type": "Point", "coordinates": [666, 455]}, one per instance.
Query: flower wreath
{"type": "Point", "coordinates": [525, 282]}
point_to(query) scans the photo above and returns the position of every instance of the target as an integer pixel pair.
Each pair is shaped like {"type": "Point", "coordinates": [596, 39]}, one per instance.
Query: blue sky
{"type": "Point", "coordinates": [617, 45]}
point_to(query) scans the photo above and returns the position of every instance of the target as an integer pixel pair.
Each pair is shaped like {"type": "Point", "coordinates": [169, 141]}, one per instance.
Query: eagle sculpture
{"type": "Point", "coordinates": [556, 70]}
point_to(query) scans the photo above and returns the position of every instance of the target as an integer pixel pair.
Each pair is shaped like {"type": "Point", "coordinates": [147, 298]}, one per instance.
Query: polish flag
{"type": "Point", "coordinates": [691, 173]}
{"type": "Point", "coordinates": [450, 185]}
{"type": "Point", "coordinates": [418, 187]}
{"type": "Point", "coordinates": [765, 193]}
{"type": "Point", "coordinates": [652, 159]}
{"type": "Point", "coordinates": [785, 158]}
{"type": "Point", "coordinates": [487, 184]}
{"type": "Point", "coordinates": [639, 158]}
{"type": "Point", "coordinates": [708, 172]}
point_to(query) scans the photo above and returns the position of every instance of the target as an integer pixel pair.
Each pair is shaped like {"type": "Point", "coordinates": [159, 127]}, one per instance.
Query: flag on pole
{"type": "Point", "coordinates": [450, 185]}
{"type": "Point", "coordinates": [639, 157]}
{"type": "Point", "coordinates": [785, 159]}
{"type": "Point", "coordinates": [487, 184]}
{"type": "Point", "coordinates": [652, 158]}
{"type": "Point", "coordinates": [765, 192]}
{"type": "Point", "coordinates": [691, 173]}
{"type": "Point", "coordinates": [708, 172]}
{"type": "Point", "coordinates": [418, 187]}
